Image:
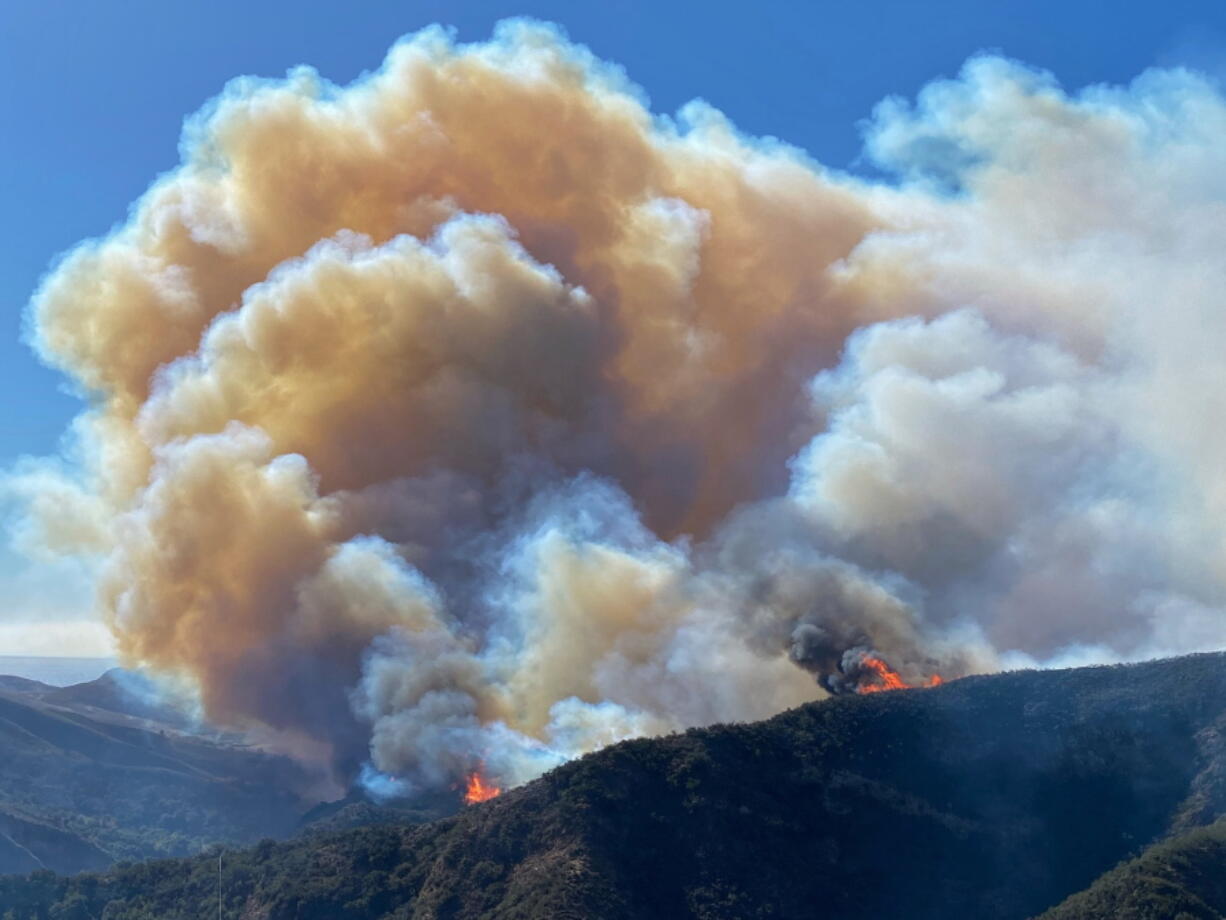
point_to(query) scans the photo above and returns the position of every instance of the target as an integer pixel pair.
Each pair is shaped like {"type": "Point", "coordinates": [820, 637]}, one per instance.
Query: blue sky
{"type": "Point", "coordinates": [94, 93]}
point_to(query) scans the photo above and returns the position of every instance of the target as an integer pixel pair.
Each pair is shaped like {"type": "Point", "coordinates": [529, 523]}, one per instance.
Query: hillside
{"type": "Point", "coordinates": [991, 796]}
{"type": "Point", "coordinates": [89, 775]}
{"type": "Point", "coordinates": [1179, 879]}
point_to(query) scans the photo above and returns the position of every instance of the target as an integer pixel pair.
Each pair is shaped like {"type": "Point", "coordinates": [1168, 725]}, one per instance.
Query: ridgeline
{"type": "Point", "coordinates": [996, 796]}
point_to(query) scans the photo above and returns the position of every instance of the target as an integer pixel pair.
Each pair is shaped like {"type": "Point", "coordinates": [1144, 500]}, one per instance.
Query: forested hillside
{"type": "Point", "coordinates": [1179, 879]}
{"type": "Point", "coordinates": [987, 797]}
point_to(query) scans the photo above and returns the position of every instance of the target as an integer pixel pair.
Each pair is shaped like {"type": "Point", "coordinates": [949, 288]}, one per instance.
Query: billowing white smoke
{"type": "Point", "coordinates": [470, 414]}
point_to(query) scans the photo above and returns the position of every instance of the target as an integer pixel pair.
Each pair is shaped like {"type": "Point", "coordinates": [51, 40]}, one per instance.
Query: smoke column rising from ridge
{"type": "Point", "coordinates": [473, 414]}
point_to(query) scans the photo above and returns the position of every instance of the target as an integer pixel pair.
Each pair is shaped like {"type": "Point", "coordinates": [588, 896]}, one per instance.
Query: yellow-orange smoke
{"type": "Point", "coordinates": [474, 408]}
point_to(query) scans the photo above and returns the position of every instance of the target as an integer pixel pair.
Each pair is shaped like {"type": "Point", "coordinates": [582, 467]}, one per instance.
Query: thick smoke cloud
{"type": "Point", "coordinates": [473, 415]}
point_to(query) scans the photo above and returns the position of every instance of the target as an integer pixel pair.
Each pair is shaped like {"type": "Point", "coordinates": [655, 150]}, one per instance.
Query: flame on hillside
{"type": "Point", "coordinates": [880, 677]}
{"type": "Point", "coordinates": [478, 789]}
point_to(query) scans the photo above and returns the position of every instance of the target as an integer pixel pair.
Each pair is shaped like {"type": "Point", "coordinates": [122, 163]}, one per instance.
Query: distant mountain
{"type": "Point", "coordinates": [23, 685]}
{"type": "Point", "coordinates": [55, 671]}
{"type": "Point", "coordinates": [99, 772]}
{"type": "Point", "coordinates": [116, 693]}
{"type": "Point", "coordinates": [989, 797]}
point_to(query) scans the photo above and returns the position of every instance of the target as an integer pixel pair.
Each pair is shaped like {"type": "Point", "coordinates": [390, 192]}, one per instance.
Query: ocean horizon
{"type": "Point", "coordinates": [56, 671]}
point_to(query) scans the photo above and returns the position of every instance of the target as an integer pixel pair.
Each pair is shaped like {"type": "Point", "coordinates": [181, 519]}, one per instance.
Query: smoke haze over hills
{"type": "Point", "coordinates": [473, 414]}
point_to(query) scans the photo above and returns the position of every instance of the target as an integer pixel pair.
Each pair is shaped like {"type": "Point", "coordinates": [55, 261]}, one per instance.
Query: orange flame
{"type": "Point", "coordinates": [478, 789]}
{"type": "Point", "coordinates": [886, 678]}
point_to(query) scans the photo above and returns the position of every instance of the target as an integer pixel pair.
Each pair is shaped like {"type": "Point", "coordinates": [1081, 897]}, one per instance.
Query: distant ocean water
{"type": "Point", "coordinates": [59, 672]}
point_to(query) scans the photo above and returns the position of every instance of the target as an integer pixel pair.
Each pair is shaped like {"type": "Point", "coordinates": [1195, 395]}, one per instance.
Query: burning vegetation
{"type": "Point", "coordinates": [861, 670]}
{"type": "Point", "coordinates": [478, 789]}
{"type": "Point", "coordinates": [883, 677]}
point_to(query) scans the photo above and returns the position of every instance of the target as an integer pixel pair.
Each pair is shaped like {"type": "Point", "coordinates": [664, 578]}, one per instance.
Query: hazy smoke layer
{"type": "Point", "coordinates": [473, 413]}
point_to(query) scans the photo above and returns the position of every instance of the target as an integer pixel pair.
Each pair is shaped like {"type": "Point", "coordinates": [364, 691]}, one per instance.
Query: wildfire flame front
{"type": "Point", "coordinates": [883, 677]}
{"type": "Point", "coordinates": [478, 789]}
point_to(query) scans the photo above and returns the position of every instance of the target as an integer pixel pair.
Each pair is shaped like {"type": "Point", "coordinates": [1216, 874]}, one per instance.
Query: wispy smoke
{"type": "Point", "coordinates": [471, 413]}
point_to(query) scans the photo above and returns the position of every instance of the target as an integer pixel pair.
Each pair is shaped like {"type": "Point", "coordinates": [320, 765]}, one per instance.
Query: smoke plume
{"type": "Point", "coordinates": [474, 414]}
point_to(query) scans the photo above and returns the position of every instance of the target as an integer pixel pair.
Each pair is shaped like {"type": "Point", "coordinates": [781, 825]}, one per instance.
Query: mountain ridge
{"type": "Point", "coordinates": [996, 795]}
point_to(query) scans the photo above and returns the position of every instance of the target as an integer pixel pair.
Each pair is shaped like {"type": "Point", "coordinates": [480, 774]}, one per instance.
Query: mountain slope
{"type": "Point", "coordinates": [1179, 879]}
{"type": "Point", "coordinates": [83, 785]}
{"type": "Point", "coordinates": [987, 797]}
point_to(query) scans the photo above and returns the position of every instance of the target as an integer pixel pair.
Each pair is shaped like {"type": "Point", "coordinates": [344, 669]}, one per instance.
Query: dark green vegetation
{"type": "Point", "coordinates": [990, 797]}
{"type": "Point", "coordinates": [93, 774]}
